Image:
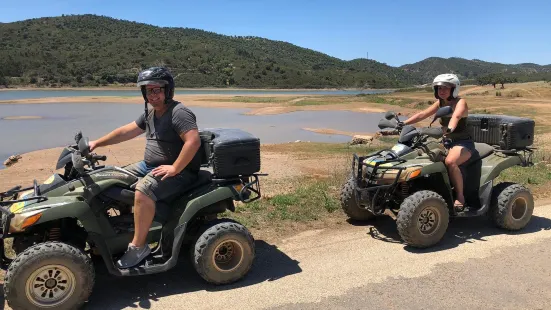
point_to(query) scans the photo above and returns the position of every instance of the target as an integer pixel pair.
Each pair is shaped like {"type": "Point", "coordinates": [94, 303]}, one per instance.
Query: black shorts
{"type": "Point", "coordinates": [466, 143]}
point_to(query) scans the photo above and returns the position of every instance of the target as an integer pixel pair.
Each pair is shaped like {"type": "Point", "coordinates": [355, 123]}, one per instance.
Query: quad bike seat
{"type": "Point", "coordinates": [483, 150]}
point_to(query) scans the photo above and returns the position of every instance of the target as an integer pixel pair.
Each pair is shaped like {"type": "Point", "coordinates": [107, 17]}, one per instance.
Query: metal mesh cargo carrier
{"type": "Point", "coordinates": [231, 152]}
{"type": "Point", "coordinates": [505, 132]}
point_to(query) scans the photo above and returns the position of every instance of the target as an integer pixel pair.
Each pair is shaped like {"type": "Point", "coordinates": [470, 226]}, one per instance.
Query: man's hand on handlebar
{"type": "Point", "coordinates": [92, 145]}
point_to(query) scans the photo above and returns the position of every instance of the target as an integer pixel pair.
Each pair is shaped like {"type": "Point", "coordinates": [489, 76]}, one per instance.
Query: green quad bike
{"type": "Point", "coordinates": [64, 226]}
{"type": "Point", "coordinates": [412, 181]}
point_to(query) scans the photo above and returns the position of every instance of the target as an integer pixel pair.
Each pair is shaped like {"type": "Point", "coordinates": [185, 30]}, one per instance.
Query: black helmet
{"type": "Point", "coordinates": [160, 76]}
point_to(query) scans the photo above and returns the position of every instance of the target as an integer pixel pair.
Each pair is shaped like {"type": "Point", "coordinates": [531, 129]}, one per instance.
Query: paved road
{"type": "Point", "coordinates": [366, 267]}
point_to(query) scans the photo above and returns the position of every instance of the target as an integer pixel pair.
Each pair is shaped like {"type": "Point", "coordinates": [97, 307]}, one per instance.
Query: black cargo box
{"type": "Point", "coordinates": [231, 152]}
{"type": "Point", "coordinates": [505, 132]}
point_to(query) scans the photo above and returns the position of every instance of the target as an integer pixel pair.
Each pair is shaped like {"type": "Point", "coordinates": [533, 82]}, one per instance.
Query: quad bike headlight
{"type": "Point", "coordinates": [388, 176]}
{"type": "Point", "coordinates": [22, 221]}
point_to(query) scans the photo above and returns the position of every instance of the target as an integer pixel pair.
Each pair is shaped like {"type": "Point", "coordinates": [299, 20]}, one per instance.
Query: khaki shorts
{"type": "Point", "coordinates": [164, 190]}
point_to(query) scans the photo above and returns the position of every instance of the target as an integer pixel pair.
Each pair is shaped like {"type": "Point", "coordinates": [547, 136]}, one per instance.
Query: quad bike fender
{"type": "Point", "coordinates": [55, 208]}
{"type": "Point", "coordinates": [494, 164]}
{"type": "Point", "coordinates": [438, 168]}
{"type": "Point", "coordinates": [436, 176]}
{"type": "Point", "coordinates": [196, 205]}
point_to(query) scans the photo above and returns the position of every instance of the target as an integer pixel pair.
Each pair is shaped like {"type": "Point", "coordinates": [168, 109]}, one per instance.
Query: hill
{"type": "Point", "coordinates": [91, 50]}
{"type": "Point", "coordinates": [474, 69]}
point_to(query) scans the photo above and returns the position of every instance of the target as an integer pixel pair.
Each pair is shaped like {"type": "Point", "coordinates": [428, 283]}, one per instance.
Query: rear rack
{"type": "Point", "coordinates": [358, 169]}
{"type": "Point", "coordinates": [253, 186]}
{"type": "Point", "coordinates": [525, 154]}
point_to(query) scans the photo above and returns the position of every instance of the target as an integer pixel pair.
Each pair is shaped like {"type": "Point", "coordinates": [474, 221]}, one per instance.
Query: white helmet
{"type": "Point", "coordinates": [447, 79]}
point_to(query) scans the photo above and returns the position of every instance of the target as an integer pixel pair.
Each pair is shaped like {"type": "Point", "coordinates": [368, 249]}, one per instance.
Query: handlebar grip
{"type": "Point", "coordinates": [99, 157]}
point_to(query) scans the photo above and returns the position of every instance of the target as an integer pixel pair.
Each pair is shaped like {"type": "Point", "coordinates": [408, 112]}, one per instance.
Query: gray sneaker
{"type": "Point", "coordinates": [133, 256]}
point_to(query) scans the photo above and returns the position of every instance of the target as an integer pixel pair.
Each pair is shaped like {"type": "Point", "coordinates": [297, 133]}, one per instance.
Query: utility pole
{"type": "Point", "coordinates": [367, 55]}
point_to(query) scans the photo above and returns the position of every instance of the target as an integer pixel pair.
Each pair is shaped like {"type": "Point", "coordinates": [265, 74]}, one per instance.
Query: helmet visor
{"type": "Point", "coordinates": [443, 84]}
{"type": "Point", "coordinates": [153, 82]}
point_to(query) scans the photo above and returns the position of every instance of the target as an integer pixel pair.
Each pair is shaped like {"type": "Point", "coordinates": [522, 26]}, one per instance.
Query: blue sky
{"type": "Point", "coordinates": [392, 32]}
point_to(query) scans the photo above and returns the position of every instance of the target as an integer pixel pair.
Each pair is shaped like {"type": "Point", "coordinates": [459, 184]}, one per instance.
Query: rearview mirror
{"type": "Point", "coordinates": [390, 115]}
{"type": "Point", "coordinates": [78, 136]}
{"type": "Point", "coordinates": [385, 123]}
{"type": "Point", "coordinates": [83, 146]}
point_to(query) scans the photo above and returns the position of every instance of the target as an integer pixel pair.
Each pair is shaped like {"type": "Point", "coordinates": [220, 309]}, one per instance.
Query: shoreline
{"type": "Point", "coordinates": [115, 88]}
{"type": "Point", "coordinates": [224, 101]}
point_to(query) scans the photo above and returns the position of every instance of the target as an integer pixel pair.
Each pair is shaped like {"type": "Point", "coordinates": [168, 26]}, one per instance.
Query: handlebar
{"type": "Point", "coordinates": [432, 132]}
{"type": "Point", "coordinates": [89, 159]}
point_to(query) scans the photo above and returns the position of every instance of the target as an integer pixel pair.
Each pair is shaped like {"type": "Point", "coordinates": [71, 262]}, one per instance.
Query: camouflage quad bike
{"type": "Point", "coordinates": [411, 180]}
{"type": "Point", "coordinates": [61, 227]}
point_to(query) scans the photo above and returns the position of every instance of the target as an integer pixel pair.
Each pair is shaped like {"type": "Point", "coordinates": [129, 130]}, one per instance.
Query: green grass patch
{"type": "Point", "coordinates": [310, 200]}
{"type": "Point", "coordinates": [534, 177]}
{"type": "Point", "coordinates": [319, 148]}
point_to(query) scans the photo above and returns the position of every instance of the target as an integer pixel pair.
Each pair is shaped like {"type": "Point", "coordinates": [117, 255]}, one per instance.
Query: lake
{"type": "Point", "coordinates": [33, 94]}
{"type": "Point", "coordinates": [59, 123]}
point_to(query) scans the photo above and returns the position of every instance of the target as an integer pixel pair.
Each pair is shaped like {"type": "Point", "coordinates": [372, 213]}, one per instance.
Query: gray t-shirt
{"type": "Point", "coordinates": [163, 135]}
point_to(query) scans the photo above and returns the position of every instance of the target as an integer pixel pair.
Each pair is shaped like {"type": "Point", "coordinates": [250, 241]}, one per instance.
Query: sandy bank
{"type": "Point", "coordinates": [15, 118]}
{"type": "Point", "coordinates": [329, 131]}
{"type": "Point", "coordinates": [227, 101]}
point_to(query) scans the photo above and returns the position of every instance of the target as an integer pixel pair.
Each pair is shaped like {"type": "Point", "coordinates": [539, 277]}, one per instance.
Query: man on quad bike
{"type": "Point", "coordinates": [171, 162]}
{"type": "Point", "coordinates": [458, 139]}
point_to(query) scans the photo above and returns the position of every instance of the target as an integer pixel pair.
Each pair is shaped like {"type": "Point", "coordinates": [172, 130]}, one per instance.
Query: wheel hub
{"type": "Point", "coordinates": [519, 208]}
{"type": "Point", "coordinates": [228, 256]}
{"type": "Point", "coordinates": [50, 285]}
{"type": "Point", "coordinates": [225, 252]}
{"type": "Point", "coordinates": [428, 220]}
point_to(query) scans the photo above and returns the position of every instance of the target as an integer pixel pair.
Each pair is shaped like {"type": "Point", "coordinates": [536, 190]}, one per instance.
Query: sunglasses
{"type": "Point", "coordinates": [150, 91]}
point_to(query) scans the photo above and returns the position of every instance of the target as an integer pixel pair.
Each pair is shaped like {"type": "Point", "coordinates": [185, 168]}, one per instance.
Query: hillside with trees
{"type": "Point", "coordinates": [475, 69]}
{"type": "Point", "coordinates": [91, 50]}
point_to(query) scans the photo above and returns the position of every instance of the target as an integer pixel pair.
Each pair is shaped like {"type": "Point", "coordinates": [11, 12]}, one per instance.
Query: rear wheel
{"type": "Point", "coordinates": [49, 275]}
{"type": "Point", "coordinates": [224, 252]}
{"type": "Point", "coordinates": [512, 206]}
{"type": "Point", "coordinates": [423, 219]}
{"type": "Point", "coordinates": [350, 205]}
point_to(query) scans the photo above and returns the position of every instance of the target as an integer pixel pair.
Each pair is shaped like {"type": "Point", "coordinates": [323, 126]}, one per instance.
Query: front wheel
{"type": "Point", "coordinates": [49, 275]}
{"type": "Point", "coordinates": [350, 205]}
{"type": "Point", "coordinates": [224, 252]}
{"type": "Point", "coordinates": [423, 219]}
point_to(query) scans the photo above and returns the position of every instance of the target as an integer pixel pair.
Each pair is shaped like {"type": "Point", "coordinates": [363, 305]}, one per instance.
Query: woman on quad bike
{"type": "Point", "coordinates": [460, 146]}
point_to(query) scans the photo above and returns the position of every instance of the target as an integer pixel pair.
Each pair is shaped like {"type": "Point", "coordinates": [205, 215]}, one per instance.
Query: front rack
{"type": "Point", "coordinates": [13, 194]}
{"type": "Point", "coordinates": [358, 169]}
{"type": "Point", "coordinates": [8, 198]}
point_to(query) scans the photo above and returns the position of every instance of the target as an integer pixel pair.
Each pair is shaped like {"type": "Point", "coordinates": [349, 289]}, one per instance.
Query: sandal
{"type": "Point", "coordinates": [458, 206]}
